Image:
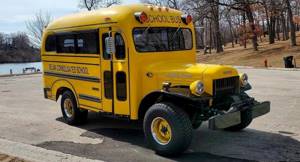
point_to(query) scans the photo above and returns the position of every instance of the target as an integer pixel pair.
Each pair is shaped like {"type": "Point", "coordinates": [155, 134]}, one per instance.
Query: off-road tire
{"type": "Point", "coordinates": [246, 119]}
{"type": "Point", "coordinates": [79, 116]}
{"type": "Point", "coordinates": [180, 125]}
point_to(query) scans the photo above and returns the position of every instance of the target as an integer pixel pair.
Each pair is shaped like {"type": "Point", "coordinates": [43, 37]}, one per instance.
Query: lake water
{"type": "Point", "coordinates": [17, 68]}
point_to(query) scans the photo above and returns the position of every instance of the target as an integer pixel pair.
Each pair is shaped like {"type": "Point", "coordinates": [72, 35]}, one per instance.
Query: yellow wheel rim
{"type": "Point", "coordinates": [68, 107]}
{"type": "Point", "coordinates": [161, 131]}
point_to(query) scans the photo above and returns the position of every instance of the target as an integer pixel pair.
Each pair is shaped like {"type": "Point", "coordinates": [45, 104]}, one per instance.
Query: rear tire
{"type": "Point", "coordinates": [71, 113]}
{"type": "Point", "coordinates": [246, 119]}
{"type": "Point", "coordinates": [179, 128]}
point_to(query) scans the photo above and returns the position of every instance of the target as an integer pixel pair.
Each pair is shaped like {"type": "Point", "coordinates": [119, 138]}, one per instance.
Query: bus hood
{"type": "Point", "coordinates": [185, 74]}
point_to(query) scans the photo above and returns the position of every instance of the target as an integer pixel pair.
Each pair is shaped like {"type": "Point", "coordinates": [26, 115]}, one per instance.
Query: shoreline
{"type": "Point", "coordinates": [19, 62]}
{"type": "Point", "coordinates": [12, 75]}
{"type": "Point", "coordinates": [238, 67]}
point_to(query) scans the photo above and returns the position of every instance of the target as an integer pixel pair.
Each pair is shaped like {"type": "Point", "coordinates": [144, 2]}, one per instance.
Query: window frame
{"type": "Point", "coordinates": [75, 36]}
{"type": "Point", "coordinates": [192, 40]}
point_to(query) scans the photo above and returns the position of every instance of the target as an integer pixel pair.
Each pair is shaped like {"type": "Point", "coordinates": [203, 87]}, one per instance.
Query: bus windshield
{"type": "Point", "coordinates": [161, 39]}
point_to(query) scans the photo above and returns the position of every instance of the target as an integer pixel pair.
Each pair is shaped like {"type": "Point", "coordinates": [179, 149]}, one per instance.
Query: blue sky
{"type": "Point", "coordinates": [14, 13]}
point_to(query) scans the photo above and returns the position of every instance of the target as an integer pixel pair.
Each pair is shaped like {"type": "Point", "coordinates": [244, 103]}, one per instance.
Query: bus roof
{"type": "Point", "coordinates": [112, 14]}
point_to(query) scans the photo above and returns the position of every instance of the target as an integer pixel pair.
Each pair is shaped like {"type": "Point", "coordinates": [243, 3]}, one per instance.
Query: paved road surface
{"type": "Point", "coordinates": [26, 117]}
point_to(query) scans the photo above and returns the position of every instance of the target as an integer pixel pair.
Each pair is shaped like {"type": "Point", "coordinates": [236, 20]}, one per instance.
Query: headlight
{"type": "Point", "coordinates": [244, 79]}
{"type": "Point", "coordinates": [197, 88]}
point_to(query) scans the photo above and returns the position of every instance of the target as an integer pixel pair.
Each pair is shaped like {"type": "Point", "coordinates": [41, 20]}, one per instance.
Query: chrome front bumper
{"type": "Point", "coordinates": [234, 118]}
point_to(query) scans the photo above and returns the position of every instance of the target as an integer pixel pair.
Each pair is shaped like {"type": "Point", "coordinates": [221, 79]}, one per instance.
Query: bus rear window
{"type": "Point", "coordinates": [157, 39]}
{"type": "Point", "coordinates": [51, 43]}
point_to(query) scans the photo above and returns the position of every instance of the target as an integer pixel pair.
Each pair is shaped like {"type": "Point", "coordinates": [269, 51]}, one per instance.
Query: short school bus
{"type": "Point", "coordinates": [139, 62]}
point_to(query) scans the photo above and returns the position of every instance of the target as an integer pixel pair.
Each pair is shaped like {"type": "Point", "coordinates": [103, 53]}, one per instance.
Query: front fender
{"type": "Point", "coordinates": [160, 96]}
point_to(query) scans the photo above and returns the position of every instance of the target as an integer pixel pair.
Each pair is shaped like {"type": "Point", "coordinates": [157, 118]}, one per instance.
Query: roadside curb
{"type": "Point", "coordinates": [270, 68]}
{"type": "Point", "coordinates": [37, 154]}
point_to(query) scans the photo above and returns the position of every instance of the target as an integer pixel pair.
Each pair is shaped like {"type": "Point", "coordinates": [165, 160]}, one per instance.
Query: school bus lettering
{"type": "Point", "coordinates": [164, 19]}
{"type": "Point", "coordinates": [69, 69]}
{"type": "Point", "coordinates": [139, 62]}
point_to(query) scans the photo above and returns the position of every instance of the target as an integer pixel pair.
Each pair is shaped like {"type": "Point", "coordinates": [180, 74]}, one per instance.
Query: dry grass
{"type": "Point", "coordinates": [8, 158]}
{"type": "Point", "coordinates": [274, 53]}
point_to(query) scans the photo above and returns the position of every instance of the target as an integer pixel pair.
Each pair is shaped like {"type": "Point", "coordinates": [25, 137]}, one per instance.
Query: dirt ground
{"type": "Point", "coordinates": [240, 56]}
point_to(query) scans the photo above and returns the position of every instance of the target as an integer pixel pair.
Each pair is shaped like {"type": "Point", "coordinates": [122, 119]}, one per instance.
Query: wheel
{"type": "Point", "coordinates": [246, 119]}
{"type": "Point", "coordinates": [168, 129]}
{"type": "Point", "coordinates": [71, 113]}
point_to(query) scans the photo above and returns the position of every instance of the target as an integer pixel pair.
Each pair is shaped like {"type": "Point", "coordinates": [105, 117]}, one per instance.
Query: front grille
{"type": "Point", "coordinates": [226, 86]}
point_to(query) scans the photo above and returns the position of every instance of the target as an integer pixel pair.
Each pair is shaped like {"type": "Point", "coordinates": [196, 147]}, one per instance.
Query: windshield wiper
{"type": "Point", "coordinates": [144, 32]}
{"type": "Point", "coordinates": [173, 36]}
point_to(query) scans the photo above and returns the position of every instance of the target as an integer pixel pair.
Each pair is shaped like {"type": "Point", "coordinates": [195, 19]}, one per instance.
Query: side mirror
{"type": "Point", "coordinates": [110, 45]}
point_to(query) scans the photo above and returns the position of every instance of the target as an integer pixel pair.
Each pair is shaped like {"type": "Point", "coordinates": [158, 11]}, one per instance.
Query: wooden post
{"type": "Point", "coordinates": [11, 72]}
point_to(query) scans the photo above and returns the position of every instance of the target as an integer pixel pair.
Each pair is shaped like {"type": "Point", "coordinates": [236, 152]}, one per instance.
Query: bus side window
{"type": "Point", "coordinates": [121, 86]}
{"type": "Point", "coordinates": [108, 86]}
{"type": "Point", "coordinates": [51, 43]}
{"type": "Point", "coordinates": [105, 55]}
{"type": "Point", "coordinates": [87, 42]}
{"type": "Point", "coordinates": [120, 47]}
{"type": "Point", "coordinates": [66, 43]}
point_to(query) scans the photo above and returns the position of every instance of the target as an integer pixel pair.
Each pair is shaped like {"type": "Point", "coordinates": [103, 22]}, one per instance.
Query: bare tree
{"type": "Point", "coordinates": [292, 24]}
{"type": "Point", "coordinates": [246, 7]}
{"type": "Point", "coordinates": [94, 4]}
{"type": "Point", "coordinates": [207, 12]}
{"type": "Point", "coordinates": [36, 26]}
{"type": "Point", "coordinates": [20, 40]}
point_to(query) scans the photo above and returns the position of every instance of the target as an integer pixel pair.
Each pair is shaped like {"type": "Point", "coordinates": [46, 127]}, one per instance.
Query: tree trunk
{"type": "Point", "coordinates": [278, 29]}
{"type": "Point", "coordinates": [252, 26]}
{"type": "Point", "coordinates": [232, 35]}
{"type": "Point", "coordinates": [284, 29]}
{"type": "Point", "coordinates": [272, 30]}
{"type": "Point", "coordinates": [245, 31]}
{"type": "Point", "coordinates": [292, 24]}
{"type": "Point", "coordinates": [216, 24]}
{"type": "Point", "coordinates": [210, 37]}
{"type": "Point", "coordinates": [264, 28]}
{"type": "Point", "coordinates": [268, 21]}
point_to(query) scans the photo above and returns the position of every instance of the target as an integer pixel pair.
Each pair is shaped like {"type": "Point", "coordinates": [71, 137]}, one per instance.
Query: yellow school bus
{"type": "Point", "coordinates": [139, 62]}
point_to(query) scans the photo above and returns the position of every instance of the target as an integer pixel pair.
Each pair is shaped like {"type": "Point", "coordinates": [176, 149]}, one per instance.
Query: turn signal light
{"type": "Point", "coordinates": [141, 17]}
{"type": "Point", "coordinates": [186, 19]}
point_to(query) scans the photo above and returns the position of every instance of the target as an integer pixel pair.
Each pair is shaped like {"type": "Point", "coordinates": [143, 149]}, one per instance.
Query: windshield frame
{"type": "Point", "coordinates": [192, 39]}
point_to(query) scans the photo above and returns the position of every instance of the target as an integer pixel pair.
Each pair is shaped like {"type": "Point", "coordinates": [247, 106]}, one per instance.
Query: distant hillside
{"type": "Point", "coordinates": [19, 56]}
{"type": "Point", "coordinates": [16, 48]}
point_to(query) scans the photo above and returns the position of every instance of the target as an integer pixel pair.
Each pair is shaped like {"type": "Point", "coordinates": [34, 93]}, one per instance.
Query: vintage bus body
{"type": "Point", "coordinates": [152, 62]}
